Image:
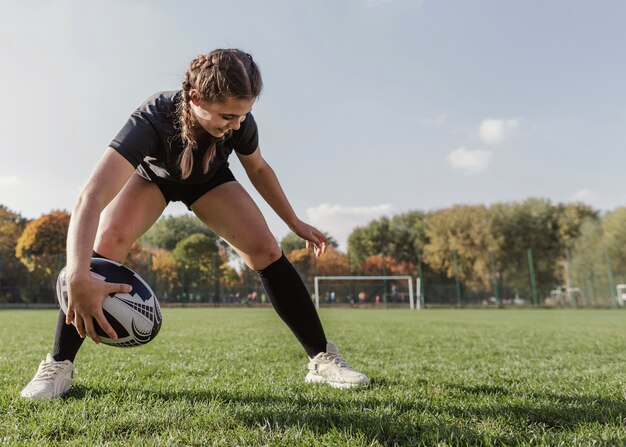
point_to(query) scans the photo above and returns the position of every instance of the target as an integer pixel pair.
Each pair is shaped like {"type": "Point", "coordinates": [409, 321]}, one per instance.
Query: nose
{"type": "Point", "coordinates": [235, 123]}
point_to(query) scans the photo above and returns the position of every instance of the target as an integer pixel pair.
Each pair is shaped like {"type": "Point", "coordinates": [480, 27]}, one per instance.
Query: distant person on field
{"type": "Point", "coordinates": [362, 297]}
{"type": "Point", "coordinates": [175, 147]}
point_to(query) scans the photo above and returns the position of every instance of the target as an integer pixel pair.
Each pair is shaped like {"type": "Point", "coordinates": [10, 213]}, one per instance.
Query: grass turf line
{"type": "Point", "coordinates": [235, 377]}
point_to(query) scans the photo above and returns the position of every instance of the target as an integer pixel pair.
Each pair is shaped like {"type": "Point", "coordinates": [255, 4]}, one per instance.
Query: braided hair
{"type": "Point", "coordinates": [218, 76]}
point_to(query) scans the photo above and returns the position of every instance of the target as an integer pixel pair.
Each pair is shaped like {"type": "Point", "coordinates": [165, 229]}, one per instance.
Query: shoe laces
{"type": "Point", "coordinates": [337, 359]}
{"type": "Point", "coordinates": [48, 371]}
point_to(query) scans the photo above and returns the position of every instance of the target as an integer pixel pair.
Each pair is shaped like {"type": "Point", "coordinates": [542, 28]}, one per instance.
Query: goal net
{"type": "Point", "coordinates": [365, 290]}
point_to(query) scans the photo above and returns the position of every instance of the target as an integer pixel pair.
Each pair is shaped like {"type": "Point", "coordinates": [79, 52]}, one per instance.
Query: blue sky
{"type": "Point", "coordinates": [370, 107]}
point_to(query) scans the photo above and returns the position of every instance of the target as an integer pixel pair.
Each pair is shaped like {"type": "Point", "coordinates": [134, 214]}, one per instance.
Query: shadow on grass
{"type": "Point", "coordinates": [549, 409]}
{"type": "Point", "coordinates": [402, 421]}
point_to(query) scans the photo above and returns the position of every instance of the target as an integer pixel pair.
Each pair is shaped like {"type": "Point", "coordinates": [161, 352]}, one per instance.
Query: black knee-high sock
{"type": "Point", "coordinates": [293, 303]}
{"type": "Point", "coordinates": [67, 342]}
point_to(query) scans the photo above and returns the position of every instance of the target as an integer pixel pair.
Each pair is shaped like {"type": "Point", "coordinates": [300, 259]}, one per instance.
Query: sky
{"type": "Point", "coordinates": [370, 108]}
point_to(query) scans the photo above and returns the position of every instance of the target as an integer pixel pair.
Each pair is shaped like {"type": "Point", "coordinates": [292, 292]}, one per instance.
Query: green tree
{"type": "Point", "coordinates": [292, 242]}
{"type": "Point", "coordinates": [570, 219]}
{"type": "Point", "coordinates": [403, 237]}
{"type": "Point", "coordinates": [464, 232]}
{"type": "Point", "coordinates": [614, 239]}
{"type": "Point", "coordinates": [588, 264]}
{"type": "Point", "coordinates": [518, 226]}
{"type": "Point", "coordinates": [199, 261]}
{"type": "Point", "coordinates": [371, 240]}
{"type": "Point", "coordinates": [168, 231]}
{"type": "Point", "coordinates": [407, 236]}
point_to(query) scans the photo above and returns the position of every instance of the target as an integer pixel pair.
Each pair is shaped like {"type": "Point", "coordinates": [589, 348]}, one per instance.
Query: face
{"type": "Point", "coordinates": [217, 118]}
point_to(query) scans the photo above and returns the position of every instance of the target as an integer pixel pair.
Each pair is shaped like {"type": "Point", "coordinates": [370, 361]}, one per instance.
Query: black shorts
{"type": "Point", "coordinates": [189, 193]}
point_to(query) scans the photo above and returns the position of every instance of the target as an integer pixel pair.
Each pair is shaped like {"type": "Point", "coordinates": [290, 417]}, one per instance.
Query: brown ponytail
{"type": "Point", "coordinates": [219, 75]}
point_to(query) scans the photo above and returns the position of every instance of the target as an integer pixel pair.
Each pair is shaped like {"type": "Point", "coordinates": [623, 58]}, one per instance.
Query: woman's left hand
{"type": "Point", "coordinates": [313, 237]}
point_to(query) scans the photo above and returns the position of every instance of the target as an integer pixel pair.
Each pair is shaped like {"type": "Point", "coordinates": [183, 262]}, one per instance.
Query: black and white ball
{"type": "Point", "coordinates": [135, 316]}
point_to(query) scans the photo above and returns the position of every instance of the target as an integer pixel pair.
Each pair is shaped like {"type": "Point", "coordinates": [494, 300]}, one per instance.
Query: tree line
{"type": "Point", "coordinates": [504, 248]}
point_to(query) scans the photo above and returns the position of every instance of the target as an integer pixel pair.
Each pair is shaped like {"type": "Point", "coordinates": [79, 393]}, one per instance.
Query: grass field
{"type": "Point", "coordinates": [235, 377]}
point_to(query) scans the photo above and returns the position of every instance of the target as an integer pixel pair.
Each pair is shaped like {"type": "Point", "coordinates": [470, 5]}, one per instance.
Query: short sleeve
{"type": "Point", "coordinates": [137, 139]}
{"type": "Point", "coordinates": [246, 138]}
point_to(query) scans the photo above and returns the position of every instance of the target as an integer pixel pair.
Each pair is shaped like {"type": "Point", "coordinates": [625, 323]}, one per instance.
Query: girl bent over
{"type": "Point", "coordinates": [175, 147]}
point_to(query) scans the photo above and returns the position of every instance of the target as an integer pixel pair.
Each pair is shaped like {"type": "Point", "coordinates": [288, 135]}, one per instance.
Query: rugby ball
{"type": "Point", "coordinates": [135, 316]}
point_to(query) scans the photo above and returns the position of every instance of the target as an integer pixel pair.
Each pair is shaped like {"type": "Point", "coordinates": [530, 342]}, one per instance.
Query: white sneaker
{"type": "Point", "coordinates": [52, 380]}
{"type": "Point", "coordinates": [331, 368]}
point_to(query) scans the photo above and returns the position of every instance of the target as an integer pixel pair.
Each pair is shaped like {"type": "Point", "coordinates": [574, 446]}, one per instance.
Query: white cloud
{"type": "Point", "coordinates": [495, 131]}
{"type": "Point", "coordinates": [12, 181]}
{"type": "Point", "coordinates": [584, 195]}
{"type": "Point", "coordinates": [469, 161]}
{"type": "Point", "coordinates": [339, 221]}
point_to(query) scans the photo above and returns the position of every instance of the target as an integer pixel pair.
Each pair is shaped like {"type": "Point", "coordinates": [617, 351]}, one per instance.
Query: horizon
{"type": "Point", "coordinates": [396, 106]}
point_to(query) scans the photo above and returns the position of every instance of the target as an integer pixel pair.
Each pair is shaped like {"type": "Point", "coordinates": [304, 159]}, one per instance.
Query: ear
{"type": "Point", "coordinates": [195, 97]}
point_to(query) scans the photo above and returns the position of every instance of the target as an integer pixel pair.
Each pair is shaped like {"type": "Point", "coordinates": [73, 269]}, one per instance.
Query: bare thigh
{"type": "Point", "coordinates": [231, 213]}
{"type": "Point", "coordinates": [130, 214]}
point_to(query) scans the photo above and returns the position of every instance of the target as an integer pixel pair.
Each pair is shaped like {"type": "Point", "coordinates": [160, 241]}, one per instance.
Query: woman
{"type": "Point", "coordinates": [175, 147]}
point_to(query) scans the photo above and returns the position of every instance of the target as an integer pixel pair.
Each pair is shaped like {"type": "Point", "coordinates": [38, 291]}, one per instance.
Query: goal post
{"type": "Point", "coordinates": [408, 279]}
{"type": "Point", "coordinates": [621, 295]}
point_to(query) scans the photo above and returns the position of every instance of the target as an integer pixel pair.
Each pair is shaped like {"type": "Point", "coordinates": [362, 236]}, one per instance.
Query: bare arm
{"type": "Point", "coordinates": [266, 183]}
{"type": "Point", "coordinates": [86, 293]}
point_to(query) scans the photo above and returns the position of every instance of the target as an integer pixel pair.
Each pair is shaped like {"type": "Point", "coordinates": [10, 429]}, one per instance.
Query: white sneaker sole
{"type": "Point", "coordinates": [315, 378]}
{"type": "Point", "coordinates": [34, 396]}
{"type": "Point", "coordinates": [45, 397]}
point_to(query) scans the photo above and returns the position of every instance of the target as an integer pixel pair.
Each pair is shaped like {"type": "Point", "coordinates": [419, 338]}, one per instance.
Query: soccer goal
{"type": "Point", "coordinates": [621, 294]}
{"type": "Point", "coordinates": [367, 290]}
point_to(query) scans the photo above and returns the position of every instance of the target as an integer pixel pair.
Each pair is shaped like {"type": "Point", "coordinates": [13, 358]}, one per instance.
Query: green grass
{"type": "Point", "coordinates": [235, 377]}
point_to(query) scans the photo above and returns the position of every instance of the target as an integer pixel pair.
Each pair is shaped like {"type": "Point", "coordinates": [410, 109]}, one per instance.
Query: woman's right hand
{"type": "Point", "coordinates": [85, 297]}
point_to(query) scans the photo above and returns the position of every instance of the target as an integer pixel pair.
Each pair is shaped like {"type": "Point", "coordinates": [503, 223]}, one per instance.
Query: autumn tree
{"type": "Point", "coordinates": [41, 246]}
{"type": "Point", "coordinates": [166, 271]}
{"type": "Point", "coordinates": [332, 263]}
{"type": "Point", "coordinates": [374, 266]}
{"type": "Point", "coordinates": [304, 262]}
{"type": "Point", "coordinates": [12, 271]}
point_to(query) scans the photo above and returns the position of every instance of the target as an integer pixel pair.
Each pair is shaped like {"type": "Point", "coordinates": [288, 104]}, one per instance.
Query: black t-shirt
{"type": "Point", "coordinates": [151, 142]}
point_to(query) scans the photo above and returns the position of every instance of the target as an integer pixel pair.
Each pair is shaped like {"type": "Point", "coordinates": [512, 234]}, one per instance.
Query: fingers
{"type": "Point", "coordinates": [69, 317]}
{"type": "Point", "coordinates": [319, 251]}
{"type": "Point", "coordinates": [316, 239]}
{"type": "Point", "coordinates": [91, 330]}
{"type": "Point", "coordinates": [318, 248]}
{"type": "Point", "coordinates": [106, 327]}
{"type": "Point", "coordinates": [117, 288]}
{"type": "Point", "coordinates": [80, 326]}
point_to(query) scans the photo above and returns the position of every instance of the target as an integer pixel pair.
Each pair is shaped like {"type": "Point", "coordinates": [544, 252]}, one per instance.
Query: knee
{"type": "Point", "coordinates": [264, 254]}
{"type": "Point", "coordinates": [113, 242]}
